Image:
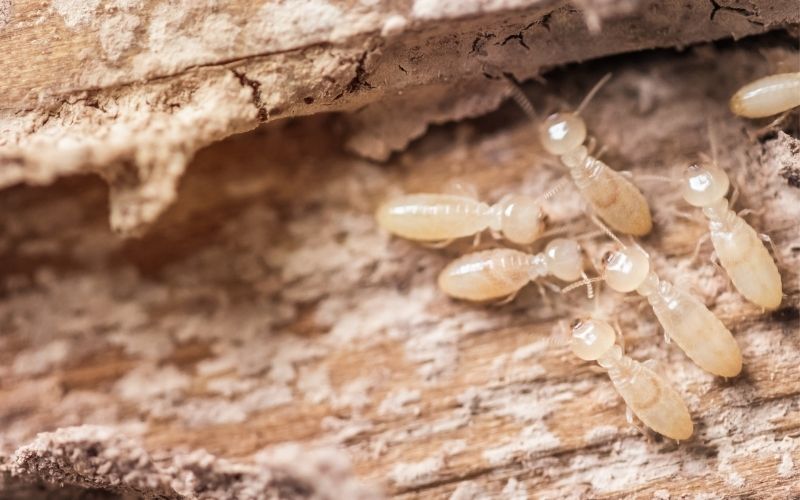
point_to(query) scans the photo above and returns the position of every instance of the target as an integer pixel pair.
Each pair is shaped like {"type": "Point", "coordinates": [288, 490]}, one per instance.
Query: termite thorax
{"type": "Point", "coordinates": [650, 286]}
{"type": "Point", "coordinates": [582, 166]}
{"type": "Point", "coordinates": [495, 217]}
{"type": "Point", "coordinates": [538, 266]}
{"type": "Point", "coordinates": [612, 358]}
{"type": "Point", "coordinates": [721, 217]}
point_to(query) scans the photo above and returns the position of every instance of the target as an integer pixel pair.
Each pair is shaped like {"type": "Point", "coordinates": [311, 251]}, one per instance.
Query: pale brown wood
{"type": "Point", "coordinates": [266, 308]}
{"type": "Point", "coordinates": [131, 90]}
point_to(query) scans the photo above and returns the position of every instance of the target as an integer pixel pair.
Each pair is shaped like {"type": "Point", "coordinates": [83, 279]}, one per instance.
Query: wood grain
{"type": "Point", "coordinates": [266, 308]}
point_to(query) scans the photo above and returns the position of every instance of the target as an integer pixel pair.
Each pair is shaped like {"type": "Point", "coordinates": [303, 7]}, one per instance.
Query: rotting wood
{"type": "Point", "coordinates": [131, 90]}
{"type": "Point", "coordinates": [266, 308]}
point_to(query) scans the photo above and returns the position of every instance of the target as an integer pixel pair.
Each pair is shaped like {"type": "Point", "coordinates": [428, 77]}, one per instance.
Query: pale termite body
{"type": "Point", "coordinates": [648, 395]}
{"type": "Point", "coordinates": [500, 273]}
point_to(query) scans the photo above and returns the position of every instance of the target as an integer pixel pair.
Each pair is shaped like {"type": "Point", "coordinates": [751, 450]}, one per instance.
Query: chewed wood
{"type": "Point", "coordinates": [267, 308]}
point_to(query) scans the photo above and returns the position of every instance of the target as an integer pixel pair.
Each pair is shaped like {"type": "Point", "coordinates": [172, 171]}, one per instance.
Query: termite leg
{"type": "Point", "coordinates": [600, 152]}
{"type": "Point", "coordinates": [766, 239]}
{"type": "Point", "coordinates": [734, 194]}
{"type": "Point", "coordinates": [591, 145]}
{"type": "Point", "coordinates": [700, 242]}
{"type": "Point", "coordinates": [631, 419]}
{"type": "Point", "coordinates": [543, 293]}
{"type": "Point", "coordinates": [549, 284]}
{"type": "Point", "coordinates": [667, 339]}
{"type": "Point", "coordinates": [461, 188]}
{"type": "Point", "coordinates": [618, 332]}
{"type": "Point", "coordinates": [653, 365]}
{"type": "Point", "coordinates": [598, 370]}
{"type": "Point", "coordinates": [438, 244]}
{"type": "Point", "coordinates": [715, 261]}
{"type": "Point", "coordinates": [477, 240]}
{"type": "Point", "coordinates": [770, 126]}
{"type": "Point", "coordinates": [687, 284]}
{"type": "Point", "coordinates": [507, 299]}
{"type": "Point", "coordinates": [689, 216]}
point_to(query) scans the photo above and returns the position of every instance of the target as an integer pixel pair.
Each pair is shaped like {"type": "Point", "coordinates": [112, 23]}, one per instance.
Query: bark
{"type": "Point", "coordinates": [263, 337]}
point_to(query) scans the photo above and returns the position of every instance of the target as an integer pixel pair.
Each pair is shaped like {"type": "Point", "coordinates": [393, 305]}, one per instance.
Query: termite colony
{"type": "Point", "coordinates": [617, 206]}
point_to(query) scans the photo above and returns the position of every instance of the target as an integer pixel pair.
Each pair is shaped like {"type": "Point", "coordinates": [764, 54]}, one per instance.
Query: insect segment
{"type": "Point", "coordinates": [502, 272]}
{"type": "Point", "coordinates": [444, 217]}
{"type": "Point", "coordinates": [613, 197]}
{"type": "Point", "coordinates": [648, 395]}
{"type": "Point", "coordinates": [685, 319]}
{"type": "Point", "coordinates": [767, 96]}
{"type": "Point", "coordinates": [739, 249]}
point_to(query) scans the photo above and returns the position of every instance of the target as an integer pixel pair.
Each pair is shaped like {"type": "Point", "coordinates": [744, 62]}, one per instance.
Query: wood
{"type": "Point", "coordinates": [265, 307]}
{"type": "Point", "coordinates": [130, 90]}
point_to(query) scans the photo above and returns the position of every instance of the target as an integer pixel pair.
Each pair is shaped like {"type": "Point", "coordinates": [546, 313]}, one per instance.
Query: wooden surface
{"type": "Point", "coordinates": [267, 308]}
{"type": "Point", "coordinates": [131, 90]}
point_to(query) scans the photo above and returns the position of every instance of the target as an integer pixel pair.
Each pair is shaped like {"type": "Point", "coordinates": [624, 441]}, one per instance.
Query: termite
{"type": "Point", "coordinates": [502, 272]}
{"type": "Point", "coordinates": [613, 197]}
{"type": "Point", "coordinates": [441, 218]}
{"type": "Point", "coordinates": [767, 96]}
{"type": "Point", "coordinates": [686, 320]}
{"type": "Point", "coordinates": [648, 395]}
{"type": "Point", "coordinates": [736, 244]}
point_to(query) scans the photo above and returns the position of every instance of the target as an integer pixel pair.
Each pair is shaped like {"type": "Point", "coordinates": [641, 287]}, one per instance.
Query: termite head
{"type": "Point", "coordinates": [522, 220]}
{"type": "Point", "coordinates": [704, 183]}
{"type": "Point", "coordinates": [626, 269]}
{"type": "Point", "coordinates": [564, 259]}
{"type": "Point", "coordinates": [591, 338]}
{"type": "Point", "coordinates": [560, 133]}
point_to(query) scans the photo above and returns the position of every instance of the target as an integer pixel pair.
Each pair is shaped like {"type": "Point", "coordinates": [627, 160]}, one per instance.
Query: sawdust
{"type": "Point", "coordinates": [76, 13]}
{"type": "Point", "coordinates": [5, 12]}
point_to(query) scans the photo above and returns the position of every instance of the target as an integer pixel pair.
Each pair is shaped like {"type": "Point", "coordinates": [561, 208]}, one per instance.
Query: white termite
{"type": "Point", "coordinates": [767, 96]}
{"type": "Point", "coordinates": [737, 246]}
{"type": "Point", "coordinates": [502, 272]}
{"type": "Point", "coordinates": [685, 319]}
{"type": "Point", "coordinates": [648, 395]}
{"type": "Point", "coordinates": [433, 218]}
{"type": "Point", "coordinates": [613, 197]}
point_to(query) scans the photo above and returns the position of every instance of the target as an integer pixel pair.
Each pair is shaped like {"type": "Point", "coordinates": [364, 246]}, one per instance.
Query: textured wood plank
{"type": "Point", "coordinates": [266, 308]}
{"type": "Point", "coordinates": [130, 90]}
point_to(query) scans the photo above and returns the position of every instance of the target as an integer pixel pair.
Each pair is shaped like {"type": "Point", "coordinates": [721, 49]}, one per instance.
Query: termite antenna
{"type": "Point", "coordinates": [561, 184]}
{"type": "Point", "coordinates": [608, 231]}
{"type": "Point", "coordinates": [584, 282]}
{"type": "Point", "coordinates": [520, 98]}
{"type": "Point", "coordinates": [592, 93]}
{"type": "Point", "coordinates": [563, 332]}
{"type": "Point", "coordinates": [589, 287]}
{"type": "Point", "coordinates": [712, 141]}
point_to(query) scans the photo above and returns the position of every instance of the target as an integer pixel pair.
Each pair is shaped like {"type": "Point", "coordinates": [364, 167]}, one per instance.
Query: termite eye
{"type": "Point", "coordinates": [626, 269]}
{"type": "Point", "coordinates": [591, 339]}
